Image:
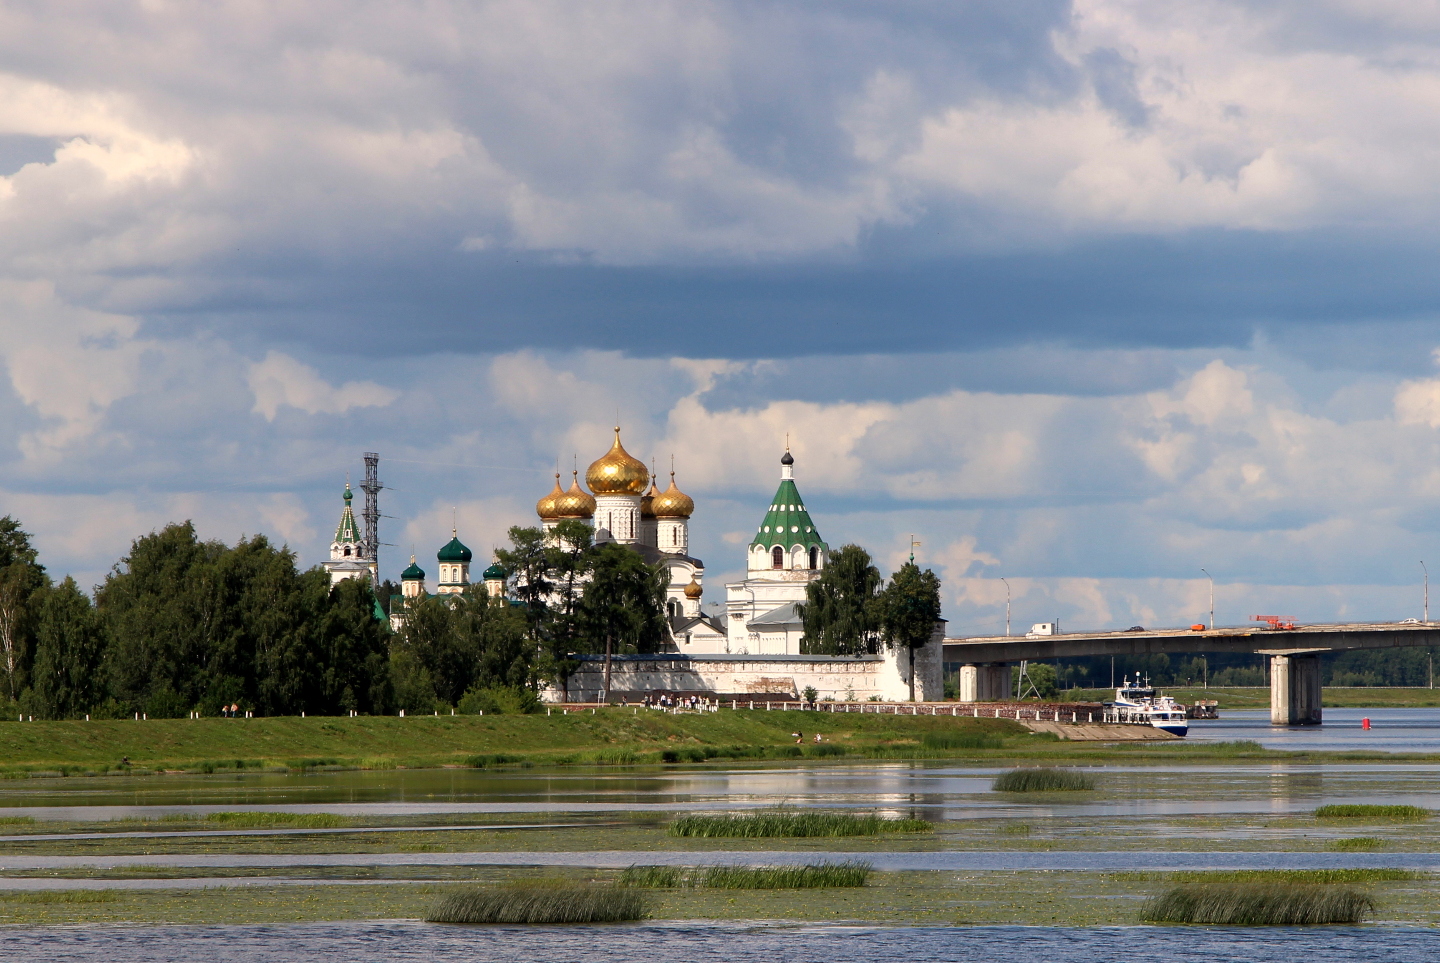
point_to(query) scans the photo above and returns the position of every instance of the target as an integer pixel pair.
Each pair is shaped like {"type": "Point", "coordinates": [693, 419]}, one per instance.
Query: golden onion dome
{"type": "Point", "coordinates": [673, 503]}
{"type": "Point", "coordinates": [545, 507]}
{"type": "Point", "coordinates": [617, 472]}
{"type": "Point", "coordinates": [647, 502]}
{"type": "Point", "coordinates": [693, 590]}
{"type": "Point", "coordinates": [576, 503]}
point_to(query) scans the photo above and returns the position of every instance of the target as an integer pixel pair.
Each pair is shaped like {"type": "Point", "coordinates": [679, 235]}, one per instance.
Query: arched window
{"type": "Point", "coordinates": [347, 552]}
{"type": "Point", "coordinates": [675, 535]}
{"type": "Point", "coordinates": [814, 556]}
{"type": "Point", "coordinates": [673, 607]}
{"type": "Point", "coordinates": [777, 557]}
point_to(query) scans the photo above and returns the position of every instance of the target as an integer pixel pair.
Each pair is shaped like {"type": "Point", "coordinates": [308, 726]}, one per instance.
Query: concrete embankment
{"type": "Point", "coordinates": [1083, 732]}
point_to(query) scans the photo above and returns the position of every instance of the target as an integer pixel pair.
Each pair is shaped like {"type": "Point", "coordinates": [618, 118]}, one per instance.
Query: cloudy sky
{"type": "Point", "coordinates": [1087, 295]}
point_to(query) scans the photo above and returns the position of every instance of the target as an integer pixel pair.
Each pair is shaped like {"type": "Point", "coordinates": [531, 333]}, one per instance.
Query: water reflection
{"type": "Point", "coordinates": [1391, 730]}
{"type": "Point", "coordinates": [730, 942]}
{"type": "Point", "coordinates": [936, 791]}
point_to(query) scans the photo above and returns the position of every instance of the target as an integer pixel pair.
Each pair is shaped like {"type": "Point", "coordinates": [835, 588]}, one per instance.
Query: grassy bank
{"type": "Point", "coordinates": [923, 898]}
{"type": "Point", "coordinates": [617, 736]}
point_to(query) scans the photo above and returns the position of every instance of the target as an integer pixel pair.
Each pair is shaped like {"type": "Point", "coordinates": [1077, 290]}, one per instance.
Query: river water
{"type": "Point", "coordinates": [402, 942]}
{"type": "Point", "coordinates": [1391, 730]}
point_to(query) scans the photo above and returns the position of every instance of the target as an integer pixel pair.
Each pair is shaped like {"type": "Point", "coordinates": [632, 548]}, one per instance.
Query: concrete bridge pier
{"type": "Point", "coordinates": [1295, 690]}
{"type": "Point", "coordinates": [985, 682]}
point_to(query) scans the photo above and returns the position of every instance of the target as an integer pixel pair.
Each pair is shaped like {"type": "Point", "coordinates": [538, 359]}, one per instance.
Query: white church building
{"type": "Point", "coordinates": [752, 650]}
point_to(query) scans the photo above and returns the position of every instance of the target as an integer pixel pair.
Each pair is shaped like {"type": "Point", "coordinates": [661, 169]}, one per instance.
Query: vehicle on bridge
{"type": "Point", "coordinates": [1142, 704]}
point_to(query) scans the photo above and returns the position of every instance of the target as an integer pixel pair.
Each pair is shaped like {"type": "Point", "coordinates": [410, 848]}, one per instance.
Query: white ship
{"type": "Point", "coordinates": [1135, 702]}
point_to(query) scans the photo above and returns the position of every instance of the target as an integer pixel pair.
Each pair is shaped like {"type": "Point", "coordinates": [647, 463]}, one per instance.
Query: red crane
{"type": "Point", "coordinates": [1275, 621]}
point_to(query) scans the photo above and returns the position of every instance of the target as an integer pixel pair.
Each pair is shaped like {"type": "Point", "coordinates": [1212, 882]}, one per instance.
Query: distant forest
{"type": "Point", "coordinates": [1370, 667]}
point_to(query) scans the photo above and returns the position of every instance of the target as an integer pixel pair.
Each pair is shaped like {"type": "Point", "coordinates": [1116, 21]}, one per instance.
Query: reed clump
{"type": "Point", "coordinates": [536, 905]}
{"type": "Point", "coordinates": [1333, 876]}
{"type": "Point", "coordinates": [655, 877]}
{"type": "Point", "coordinates": [1043, 780]}
{"type": "Point", "coordinates": [1259, 904]}
{"type": "Point", "coordinates": [794, 825]}
{"type": "Point", "coordinates": [811, 876]}
{"type": "Point", "coordinates": [263, 820]}
{"type": "Point", "coordinates": [961, 740]}
{"type": "Point", "coordinates": [1397, 814]}
{"type": "Point", "coordinates": [62, 896]}
{"type": "Point", "coordinates": [1356, 844]}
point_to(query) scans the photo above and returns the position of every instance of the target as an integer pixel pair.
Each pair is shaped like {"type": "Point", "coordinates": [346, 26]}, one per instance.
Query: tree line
{"type": "Point", "coordinates": [182, 624]}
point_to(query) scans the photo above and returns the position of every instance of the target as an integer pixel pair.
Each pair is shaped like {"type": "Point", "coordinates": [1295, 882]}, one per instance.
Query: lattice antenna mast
{"type": "Point", "coordinates": [371, 488]}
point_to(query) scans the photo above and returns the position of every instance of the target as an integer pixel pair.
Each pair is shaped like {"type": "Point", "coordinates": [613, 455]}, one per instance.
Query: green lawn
{"type": "Point", "coordinates": [609, 735]}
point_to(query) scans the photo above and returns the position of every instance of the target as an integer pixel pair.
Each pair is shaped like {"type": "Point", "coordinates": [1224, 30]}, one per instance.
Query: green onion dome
{"type": "Point", "coordinates": [414, 573]}
{"type": "Point", "coordinates": [493, 573]}
{"type": "Point", "coordinates": [454, 551]}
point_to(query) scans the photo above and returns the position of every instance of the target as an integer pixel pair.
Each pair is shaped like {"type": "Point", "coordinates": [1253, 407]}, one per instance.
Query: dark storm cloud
{"type": "Point", "coordinates": [1212, 289]}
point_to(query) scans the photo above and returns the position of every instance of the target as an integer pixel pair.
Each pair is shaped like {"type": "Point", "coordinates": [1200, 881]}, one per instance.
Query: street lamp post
{"type": "Point", "coordinates": [1007, 607]}
{"type": "Point", "coordinates": [1212, 600]}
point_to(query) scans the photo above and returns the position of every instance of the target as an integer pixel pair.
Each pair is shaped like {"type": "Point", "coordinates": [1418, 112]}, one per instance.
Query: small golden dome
{"type": "Point", "coordinates": [617, 472]}
{"type": "Point", "coordinates": [693, 590]}
{"type": "Point", "coordinates": [647, 502]}
{"type": "Point", "coordinates": [576, 503]}
{"type": "Point", "coordinates": [673, 503]}
{"type": "Point", "coordinates": [545, 507]}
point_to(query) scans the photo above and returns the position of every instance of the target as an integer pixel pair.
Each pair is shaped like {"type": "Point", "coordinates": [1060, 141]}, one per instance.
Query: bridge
{"type": "Point", "coordinates": [1294, 655]}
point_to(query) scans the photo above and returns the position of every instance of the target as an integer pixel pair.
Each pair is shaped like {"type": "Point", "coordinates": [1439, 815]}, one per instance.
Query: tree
{"type": "Point", "coordinates": [196, 623]}
{"type": "Point", "coordinates": [528, 566]}
{"type": "Point", "coordinates": [841, 613]}
{"type": "Point", "coordinates": [461, 642]}
{"type": "Point", "coordinates": [21, 577]}
{"type": "Point", "coordinates": [162, 607]}
{"type": "Point", "coordinates": [356, 674]}
{"type": "Point", "coordinates": [69, 648]}
{"type": "Point", "coordinates": [623, 604]}
{"type": "Point", "coordinates": [909, 608]}
{"type": "Point", "coordinates": [572, 559]}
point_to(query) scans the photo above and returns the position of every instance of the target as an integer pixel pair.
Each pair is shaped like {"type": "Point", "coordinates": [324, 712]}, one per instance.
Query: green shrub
{"type": "Point", "coordinates": [1355, 844]}
{"type": "Point", "coordinates": [961, 740]}
{"type": "Point", "coordinates": [499, 701]}
{"type": "Point", "coordinates": [164, 703]}
{"type": "Point", "coordinates": [1259, 904]}
{"type": "Point", "coordinates": [491, 759]}
{"type": "Point", "coordinates": [259, 820]}
{"type": "Point", "coordinates": [1404, 814]}
{"type": "Point", "coordinates": [63, 896]}
{"type": "Point", "coordinates": [1043, 780]}
{"type": "Point", "coordinates": [542, 905]}
{"type": "Point", "coordinates": [813, 876]}
{"type": "Point", "coordinates": [1299, 876]}
{"type": "Point", "coordinates": [654, 877]}
{"type": "Point", "coordinates": [826, 750]}
{"type": "Point", "coordinates": [793, 825]}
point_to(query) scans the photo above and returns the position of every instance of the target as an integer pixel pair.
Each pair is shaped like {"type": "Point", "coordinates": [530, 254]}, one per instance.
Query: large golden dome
{"type": "Point", "coordinates": [693, 590]}
{"type": "Point", "coordinates": [673, 503]}
{"type": "Point", "coordinates": [576, 503]}
{"type": "Point", "coordinates": [617, 473]}
{"type": "Point", "coordinates": [545, 507]}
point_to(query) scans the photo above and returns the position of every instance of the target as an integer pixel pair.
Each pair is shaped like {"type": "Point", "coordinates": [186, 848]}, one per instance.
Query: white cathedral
{"type": "Point", "coordinates": [624, 505]}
